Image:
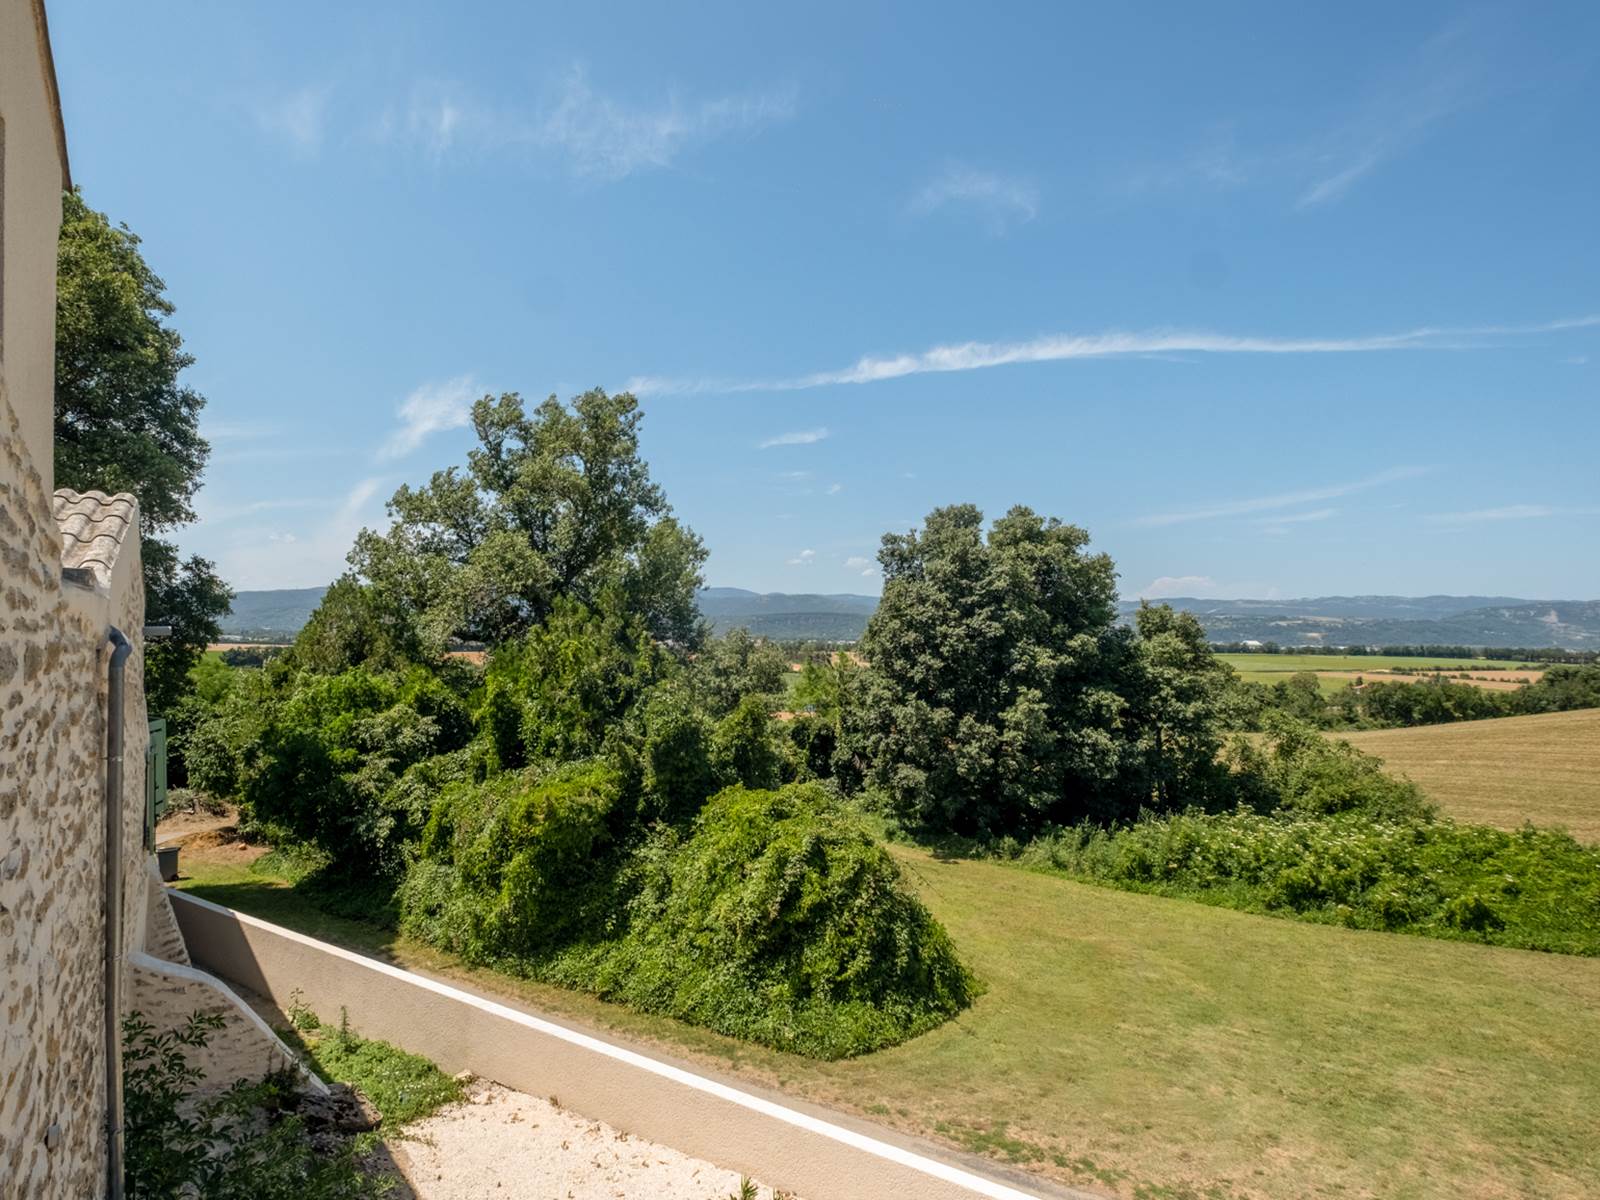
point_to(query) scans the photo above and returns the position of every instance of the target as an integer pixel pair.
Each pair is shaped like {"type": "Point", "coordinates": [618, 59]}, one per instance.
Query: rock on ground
{"type": "Point", "coordinates": [498, 1142]}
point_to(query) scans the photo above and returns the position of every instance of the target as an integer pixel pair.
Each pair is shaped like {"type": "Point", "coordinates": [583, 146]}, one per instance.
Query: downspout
{"type": "Point", "coordinates": [120, 650]}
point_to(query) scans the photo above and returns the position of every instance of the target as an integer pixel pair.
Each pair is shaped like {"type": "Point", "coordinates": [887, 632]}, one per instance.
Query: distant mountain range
{"type": "Point", "coordinates": [1329, 620]}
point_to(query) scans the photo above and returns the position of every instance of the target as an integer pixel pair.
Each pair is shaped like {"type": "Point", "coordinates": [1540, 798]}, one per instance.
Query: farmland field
{"type": "Point", "coordinates": [1335, 670]}
{"type": "Point", "coordinates": [1117, 1050]}
{"type": "Point", "coordinates": [1544, 769]}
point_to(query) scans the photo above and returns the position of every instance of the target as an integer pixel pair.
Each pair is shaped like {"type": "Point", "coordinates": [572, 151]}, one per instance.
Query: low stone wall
{"type": "Point", "coordinates": [811, 1154]}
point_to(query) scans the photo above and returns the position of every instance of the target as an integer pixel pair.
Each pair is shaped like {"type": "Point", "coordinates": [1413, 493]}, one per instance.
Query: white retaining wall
{"type": "Point", "coordinates": [782, 1146]}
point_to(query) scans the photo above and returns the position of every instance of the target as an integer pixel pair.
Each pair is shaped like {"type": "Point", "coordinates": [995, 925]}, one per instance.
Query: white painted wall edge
{"type": "Point", "coordinates": [703, 1117]}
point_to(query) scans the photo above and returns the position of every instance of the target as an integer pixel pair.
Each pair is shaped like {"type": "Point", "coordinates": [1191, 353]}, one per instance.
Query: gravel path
{"type": "Point", "coordinates": [501, 1143]}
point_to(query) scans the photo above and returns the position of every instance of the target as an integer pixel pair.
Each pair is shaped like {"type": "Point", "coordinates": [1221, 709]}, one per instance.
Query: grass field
{"type": "Point", "coordinates": [1161, 1050]}
{"type": "Point", "coordinates": [1273, 668]}
{"type": "Point", "coordinates": [1544, 769]}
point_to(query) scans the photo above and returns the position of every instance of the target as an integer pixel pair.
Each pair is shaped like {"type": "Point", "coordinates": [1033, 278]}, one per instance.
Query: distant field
{"type": "Point", "coordinates": [1544, 769]}
{"type": "Point", "coordinates": [1335, 670]}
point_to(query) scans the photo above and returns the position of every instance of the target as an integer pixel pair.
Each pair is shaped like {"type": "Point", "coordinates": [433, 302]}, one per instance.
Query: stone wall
{"type": "Point", "coordinates": [52, 1094]}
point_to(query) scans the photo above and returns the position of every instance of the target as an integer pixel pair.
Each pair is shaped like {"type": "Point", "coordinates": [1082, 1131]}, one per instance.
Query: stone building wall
{"type": "Point", "coordinates": [52, 1090]}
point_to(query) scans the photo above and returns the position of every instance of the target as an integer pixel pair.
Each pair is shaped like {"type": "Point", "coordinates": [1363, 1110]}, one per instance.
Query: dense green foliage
{"type": "Point", "coordinates": [244, 1143]}
{"type": "Point", "coordinates": [1536, 889]}
{"type": "Point", "coordinates": [553, 505]}
{"type": "Point", "coordinates": [774, 916]}
{"type": "Point", "coordinates": [1323, 834]}
{"type": "Point", "coordinates": [1002, 696]}
{"type": "Point", "coordinates": [124, 422]}
{"type": "Point", "coordinates": [607, 801]}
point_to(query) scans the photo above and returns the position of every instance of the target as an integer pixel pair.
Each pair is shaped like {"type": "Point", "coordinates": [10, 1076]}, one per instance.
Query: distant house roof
{"type": "Point", "coordinates": [93, 527]}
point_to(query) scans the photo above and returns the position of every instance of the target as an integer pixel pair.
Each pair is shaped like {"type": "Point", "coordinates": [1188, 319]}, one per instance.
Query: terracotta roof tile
{"type": "Point", "coordinates": [94, 527]}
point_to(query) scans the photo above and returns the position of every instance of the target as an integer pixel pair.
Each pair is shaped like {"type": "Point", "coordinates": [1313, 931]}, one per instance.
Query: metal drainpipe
{"type": "Point", "coordinates": [120, 651]}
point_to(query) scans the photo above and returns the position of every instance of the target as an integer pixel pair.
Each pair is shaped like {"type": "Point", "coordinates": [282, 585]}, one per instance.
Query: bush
{"type": "Point", "coordinates": [776, 917]}
{"type": "Point", "coordinates": [1303, 771]}
{"type": "Point", "coordinates": [506, 865]}
{"type": "Point", "coordinates": [242, 1144]}
{"type": "Point", "coordinates": [331, 753]}
{"type": "Point", "coordinates": [557, 693]}
{"type": "Point", "coordinates": [742, 748]}
{"type": "Point", "coordinates": [678, 773]}
{"type": "Point", "coordinates": [1536, 889]}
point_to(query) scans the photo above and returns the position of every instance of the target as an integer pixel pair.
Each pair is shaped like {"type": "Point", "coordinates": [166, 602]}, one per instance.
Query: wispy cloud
{"type": "Point", "coordinates": [862, 565]}
{"type": "Point", "coordinates": [800, 437]}
{"type": "Point", "coordinates": [1278, 524]}
{"type": "Point", "coordinates": [298, 117]}
{"type": "Point", "coordinates": [835, 488]}
{"type": "Point", "coordinates": [596, 135]}
{"type": "Point", "coordinates": [1511, 512]}
{"type": "Point", "coordinates": [313, 553]}
{"type": "Point", "coordinates": [804, 559]}
{"type": "Point", "coordinates": [605, 138]}
{"type": "Point", "coordinates": [998, 199]}
{"type": "Point", "coordinates": [1256, 504]}
{"type": "Point", "coordinates": [1444, 77]}
{"type": "Point", "coordinates": [430, 409]}
{"type": "Point", "coordinates": [1063, 347]}
{"type": "Point", "coordinates": [1319, 514]}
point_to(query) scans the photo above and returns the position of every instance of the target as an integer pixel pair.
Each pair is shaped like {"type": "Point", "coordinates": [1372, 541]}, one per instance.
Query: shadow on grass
{"type": "Point", "coordinates": [357, 916]}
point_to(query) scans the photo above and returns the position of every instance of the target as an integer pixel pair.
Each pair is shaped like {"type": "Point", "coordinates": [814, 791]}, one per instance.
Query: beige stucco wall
{"type": "Point", "coordinates": [31, 177]}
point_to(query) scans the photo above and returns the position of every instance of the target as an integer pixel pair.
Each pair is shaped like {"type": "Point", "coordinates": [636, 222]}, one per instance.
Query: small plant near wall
{"type": "Point", "coordinates": [244, 1143]}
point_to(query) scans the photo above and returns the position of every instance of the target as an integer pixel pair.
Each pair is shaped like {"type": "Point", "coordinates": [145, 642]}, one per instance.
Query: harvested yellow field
{"type": "Point", "coordinates": [1544, 769]}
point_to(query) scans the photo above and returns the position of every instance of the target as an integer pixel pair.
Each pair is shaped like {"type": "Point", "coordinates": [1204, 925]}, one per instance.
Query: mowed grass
{"type": "Point", "coordinates": [1544, 769]}
{"type": "Point", "coordinates": [1157, 1049]}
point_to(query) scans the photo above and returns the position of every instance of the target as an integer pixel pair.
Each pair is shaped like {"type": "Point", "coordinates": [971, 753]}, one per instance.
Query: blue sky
{"type": "Point", "coordinates": [1274, 300]}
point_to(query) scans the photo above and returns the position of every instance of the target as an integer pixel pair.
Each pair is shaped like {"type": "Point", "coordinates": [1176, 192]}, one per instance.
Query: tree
{"type": "Point", "coordinates": [124, 422]}
{"type": "Point", "coordinates": [556, 505]}
{"type": "Point", "coordinates": [1178, 701]}
{"type": "Point", "coordinates": [354, 626]}
{"type": "Point", "coordinates": [734, 666]}
{"type": "Point", "coordinates": [994, 700]}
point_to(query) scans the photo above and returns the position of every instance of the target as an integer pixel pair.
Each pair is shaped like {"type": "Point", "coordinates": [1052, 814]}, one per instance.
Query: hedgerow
{"type": "Point", "coordinates": [1537, 889]}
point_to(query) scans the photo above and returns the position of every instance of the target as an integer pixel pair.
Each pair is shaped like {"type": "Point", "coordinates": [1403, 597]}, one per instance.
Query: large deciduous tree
{"type": "Point", "coordinates": [552, 505]}
{"type": "Point", "coordinates": [992, 704]}
{"type": "Point", "coordinates": [125, 422]}
{"type": "Point", "coordinates": [1002, 695]}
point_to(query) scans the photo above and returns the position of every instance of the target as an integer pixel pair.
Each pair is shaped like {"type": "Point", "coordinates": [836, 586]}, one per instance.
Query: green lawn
{"type": "Point", "coordinates": [1159, 1049]}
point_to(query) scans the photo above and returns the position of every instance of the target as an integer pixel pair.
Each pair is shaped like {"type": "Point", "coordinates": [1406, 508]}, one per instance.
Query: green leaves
{"type": "Point", "coordinates": [552, 506]}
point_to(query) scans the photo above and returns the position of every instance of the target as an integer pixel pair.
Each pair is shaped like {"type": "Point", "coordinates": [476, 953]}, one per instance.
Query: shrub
{"type": "Point", "coordinates": [777, 918]}
{"type": "Point", "coordinates": [330, 754]}
{"type": "Point", "coordinates": [506, 864]}
{"type": "Point", "coordinates": [1303, 771]}
{"type": "Point", "coordinates": [678, 773]}
{"type": "Point", "coordinates": [242, 1144]}
{"type": "Point", "coordinates": [1536, 889]}
{"type": "Point", "coordinates": [558, 692]}
{"type": "Point", "coordinates": [742, 748]}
